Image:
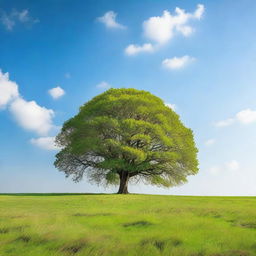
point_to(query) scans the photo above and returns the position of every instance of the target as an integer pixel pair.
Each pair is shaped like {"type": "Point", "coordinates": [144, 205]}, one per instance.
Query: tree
{"type": "Point", "coordinates": [125, 134]}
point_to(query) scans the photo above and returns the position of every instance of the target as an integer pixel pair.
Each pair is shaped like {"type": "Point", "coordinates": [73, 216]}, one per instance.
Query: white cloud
{"type": "Point", "coordinates": [7, 21]}
{"type": "Point", "coordinates": [161, 29]}
{"type": "Point", "coordinates": [103, 85]}
{"type": "Point", "coordinates": [224, 123]}
{"type": "Point", "coordinates": [56, 92]}
{"type": "Point", "coordinates": [172, 106]}
{"type": "Point", "coordinates": [47, 143]}
{"type": "Point", "coordinates": [8, 90]}
{"type": "Point", "coordinates": [11, 19]}
{"type": "Point", "coordinates": [246, 116]}
{"type": "Point", "coordinates": [134, 49]}
{"type": "Point", "coordinates": [31, 116]}
{"type": "Point", "coordinates": [232, 165]}
{"type": "Point", "coordinates": [199, 11]}
{"type": "Point", "coordinates": [109, 19]}
{"type": "Point", "coordinates": [176, 62]}
{"type": "Point", "coordinates": [210, 142]}
{"type": "Point", "coordinates": [23, 16]}
{"type": "Point", "coordinates": [28, 114]}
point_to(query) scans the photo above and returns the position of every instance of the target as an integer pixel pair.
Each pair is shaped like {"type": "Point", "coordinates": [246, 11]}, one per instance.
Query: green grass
{"type": "Point", "coordinates": [119, 225]}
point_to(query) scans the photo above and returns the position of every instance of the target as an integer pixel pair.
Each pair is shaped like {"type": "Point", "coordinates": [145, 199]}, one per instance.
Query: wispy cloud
{"type": "Point", "coordinates": [68, 75]}
{"type": "Point", "coordinates": [109, 20]}
{"type": "Point", "coordinates": [9, 21]}
{"type": "Point", "coordinates": [231, 166]}
{"type": "Point", "coordinates": [210, 142]}
{"type": "Point", "coordinates": [103, 85]}
{"type": "Point", "coordinates": [226, 122]}
{"type": "Point", "coordinates": [215, 170]}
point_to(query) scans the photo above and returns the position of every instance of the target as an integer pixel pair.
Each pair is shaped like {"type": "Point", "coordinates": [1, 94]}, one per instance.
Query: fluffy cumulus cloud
{"type": "Point", "coordinates": [28, 114]}
{"type": "Point", "coordinates": [8, 89]}
{"type": "Point", "coordinates": [47, 143]}
{"type": "Point", "coordinates": [9, 20]}
{"type": "Point", "coordinates": [134, 49]}
{"type": "Point", "coordinates": [31, 116]}
{"type": "Point", "coordinates": [246, 116]}
{"type": "Point", "coordinates": [56, 92]}
{"type": "Point", "coordinates": [103, 85]}
{"type": "Point", "coordinates": [171, 106]}
{"type": "Point", "coordinates": [161, 29]}
{"type": "Point", "coordinates": [177, 62]}
{"type": "Point", "coordinates": [109, 20]}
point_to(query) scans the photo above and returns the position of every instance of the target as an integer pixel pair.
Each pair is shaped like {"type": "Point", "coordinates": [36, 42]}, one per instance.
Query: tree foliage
{"type": "Point", "coordinates": [127, 133]}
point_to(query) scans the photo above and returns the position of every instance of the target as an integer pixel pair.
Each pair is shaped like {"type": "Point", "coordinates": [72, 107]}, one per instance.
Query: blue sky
{"type": "Point", "coordinates": [201, 57]}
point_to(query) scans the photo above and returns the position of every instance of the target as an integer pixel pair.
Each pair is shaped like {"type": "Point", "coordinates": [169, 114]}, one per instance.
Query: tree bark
{"type": "Point", "coordinates": [123, 187]}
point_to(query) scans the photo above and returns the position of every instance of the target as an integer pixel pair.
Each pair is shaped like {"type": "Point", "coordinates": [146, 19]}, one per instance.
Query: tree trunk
{"type": "Point", "coordinates": [123, 187]}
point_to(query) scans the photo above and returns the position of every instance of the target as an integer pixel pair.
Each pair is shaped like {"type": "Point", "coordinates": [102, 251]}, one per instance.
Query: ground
{"type": "Point", "coordinates": [114, 225]}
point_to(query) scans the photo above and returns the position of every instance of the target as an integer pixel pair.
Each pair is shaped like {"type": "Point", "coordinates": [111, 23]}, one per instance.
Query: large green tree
{"type": "Point", "coordinates": [127, 134]}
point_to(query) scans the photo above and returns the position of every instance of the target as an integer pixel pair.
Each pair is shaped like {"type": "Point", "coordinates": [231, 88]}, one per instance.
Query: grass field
{"type": "Point", "coordinates": [69, 224]}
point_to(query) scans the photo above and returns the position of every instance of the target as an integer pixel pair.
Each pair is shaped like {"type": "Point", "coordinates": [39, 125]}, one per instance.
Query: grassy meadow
{"type": "Point", "coordinates": [119, 225]}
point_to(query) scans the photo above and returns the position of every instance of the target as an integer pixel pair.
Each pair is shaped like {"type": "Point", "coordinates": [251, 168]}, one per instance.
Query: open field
{"type": "Point", "coordinates": [70, 224]}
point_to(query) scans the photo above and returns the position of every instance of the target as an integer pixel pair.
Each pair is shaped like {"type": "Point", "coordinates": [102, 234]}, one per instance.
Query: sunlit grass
{"type": "Point", "coordinates": [114, 225]}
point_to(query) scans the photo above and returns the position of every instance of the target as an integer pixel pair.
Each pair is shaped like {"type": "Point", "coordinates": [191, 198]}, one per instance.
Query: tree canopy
{"type": "Point", "coordinates": [127, 134]}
